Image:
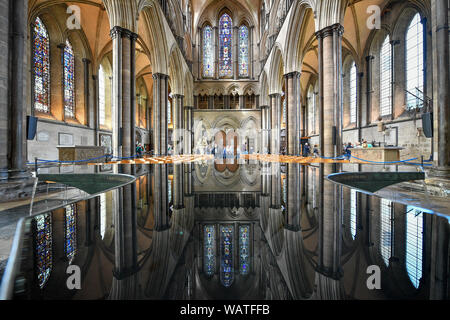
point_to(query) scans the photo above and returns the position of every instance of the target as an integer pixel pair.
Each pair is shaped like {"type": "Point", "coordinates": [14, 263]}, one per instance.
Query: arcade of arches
{"type": "Point", "coordinates": [186, 77]}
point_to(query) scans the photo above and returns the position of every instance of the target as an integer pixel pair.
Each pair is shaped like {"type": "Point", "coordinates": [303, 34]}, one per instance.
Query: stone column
{"type": "Point", "coordinates": [86, 63]}
{"type": "Point", "coordinates": [330, 87]}
{"type": "Point", "coordinates": [293, 110]}
{"type": "Point", "coordinates": [265, 120]}
{"type": "Point", "coordinates": [160, 96]}
{"type": "Point", "coordinates": [210, 102]}
{"type": "Point", "coordinates": [199, 53]}
{"type": "Point", "coordinates": [226, 101]}
{"type": "Point", "coordinates": [17, 124]}
{"type": "Point", "coordinates": [241, 102]}
{"type": "Point", "coordinates": [178, 124]}
{"type": "Point", "coordinates": [441, 82]}
{"type": "Point", "coordinates": [195, 102]}
{"type": "Point", "coordinates": [124, 46]}
{"type": "Point", "coordinates": [188, 123]}
{"type": "Point", "coordinates": [235, 52]}
{"type": "Point", "coordinates": [251, 66]}
{"type": "Point", "coordinates": [275, 107]}
{"type": "Point", "coordinates": [216, 52]}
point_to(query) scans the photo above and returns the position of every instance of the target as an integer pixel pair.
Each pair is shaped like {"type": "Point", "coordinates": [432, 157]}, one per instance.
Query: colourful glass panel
{"type": "Point", "coordinates": [243, 51]}
{"type": "Point", "coordinates": [41, 67]}
{"type": "Point", "coordinates": [225, 46]}
{"type": "Point", "coordinates": [69, 81]}
{"type": "Point", "coordinates": [208, 52]}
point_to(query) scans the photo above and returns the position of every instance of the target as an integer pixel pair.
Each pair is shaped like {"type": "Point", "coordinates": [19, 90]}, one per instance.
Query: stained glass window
{"type": "Point", "coordinates": [41, 67]}
{"type": "Point", "coordinates": [284, 121]}
{"type": "Point", "coordinates": [225, 46]}
{"type": "Point", "coordinates": [414, 244]}
{"type": "Point", "coordinates": [69, 81]}
{"type": "Point", "coordinates": [209, 260]}
{"type": "Point", "coordinates": [386, 230]}
{"type": "Point", "coordinates": [101, 96]}
{"type": "Point", "coordinates": [244, 249]}
{"type": "Point", "coordinates": [353, 93]}
{"type": "Point", "coordinates": [312, 109]}
{"type": "Point", "coordinates": [385, 78]}
{"type": "Point", "coordinates": [353, 213]}
{"type": "Point", "coordinates": [226, 255]}
{"type": "Point", "coordinates": [243, 51]}
{"type": "Point", "coordinates": [208, 52]}
{"type": "Point", "coordinates": [70, 234]}
{"type": "Point", "coordinates": [414, 63]}
{"type": "Point", "coordinates": [43, 248]}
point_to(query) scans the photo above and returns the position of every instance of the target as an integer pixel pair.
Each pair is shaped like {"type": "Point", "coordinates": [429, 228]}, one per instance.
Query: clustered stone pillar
{"type": "Point", "coordinates": [275, 108]}
{"type": "Point", "coordinates": [124, 87]}
{"type": "Point", "coordinates": [293, 109]}
{"type": "Point", "coordinates": [17, 131]}
{"type": "Point", "coordinates": [160, 130]}
{"type": "Point", "coordinates": [188, 132]}
{"type": "Point", "coordinates": [265, 129]}
{"type": "Point", "coordinates": [241, 102]}
{"type": "Point", "coordinates": [442, 70]}
{"type": "Point", "coordinates": [330, 89]}
{"type": "Point", "coordinates": [235, 53]}
{"type": "Point", "coordinates": [178, 124]}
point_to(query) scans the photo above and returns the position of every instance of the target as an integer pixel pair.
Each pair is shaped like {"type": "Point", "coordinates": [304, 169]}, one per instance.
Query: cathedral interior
{"type": "Point", "coordinates": [224, 150]}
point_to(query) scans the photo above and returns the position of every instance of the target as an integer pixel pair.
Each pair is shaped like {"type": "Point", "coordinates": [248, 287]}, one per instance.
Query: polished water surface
{"type": "Point", "coordinates": [234, 230]}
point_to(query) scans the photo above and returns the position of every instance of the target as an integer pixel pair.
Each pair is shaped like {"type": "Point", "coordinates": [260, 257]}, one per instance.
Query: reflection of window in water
{"type": "Point", "coordinates": [314, 187]}
{"type": "Point", "coordinates": [209, 243]}
{"type": "Point", "coordinates": [226, 255]}
{"type": "Point", "coordinates": [386, 222]}
{"type": "Point", "coordinates": [353, 212]}
{"type": "Point", "coordinates": [414, 244]}
{"type": "Point", "coordinates": [244, 249]}
{"type": "Point", "coordinates": [102, 215]}
{"type": "Point", "coordinates": [43, 248]}
{"type": "Point", "coordinates": [70, 235]}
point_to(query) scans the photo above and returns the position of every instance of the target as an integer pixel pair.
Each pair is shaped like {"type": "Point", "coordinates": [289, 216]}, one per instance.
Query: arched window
{"type": "Point", "coordinates": [101, 96]}
{"type": "Point", "coordinates": [225, 46]}
{"type": "Point", "coordinates": [70, 234]}
{"type": "Point", "coordinates": [244, 249]}
{"type": "Point", "coordinates": [353, 93]}
{"type": "Point", "coordinates": [209, 247]}
{"type": "Point", "coordinates": [414, 63]}
{"type": "Point", "coordinates": [41, 67]}
{"type": "Point", "coordinates": [414, 244]}
{"type": "Point", "coordinates": [385, 78]}
{"type": "Point", "coordinates": [284, 115]}
{"type": "Point", "coordinates": [353, 207]}
{"type": "Point", "coordinates": [243, 51]}
{"type": "Point", "coordinates": [69, 81]}
{"type": "Point", "coordinates": [208, 52]}
{"type": "Point", "coordinates": [43, 247]}
{"type": "Point", "coordinates": [386, 224]}
{"type": "Point", "coordinates": [226, 255]}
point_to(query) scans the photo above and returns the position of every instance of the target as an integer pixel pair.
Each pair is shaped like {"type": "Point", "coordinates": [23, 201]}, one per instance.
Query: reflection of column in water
{"type": "Point", "coordinates": [293, 197]}
{"type": "Point", "coordinates": [330, 224]}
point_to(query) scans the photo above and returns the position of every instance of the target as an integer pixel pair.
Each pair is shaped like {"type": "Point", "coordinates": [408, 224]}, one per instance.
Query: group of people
{"type": "Point", "coordinates": [306, 151]}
